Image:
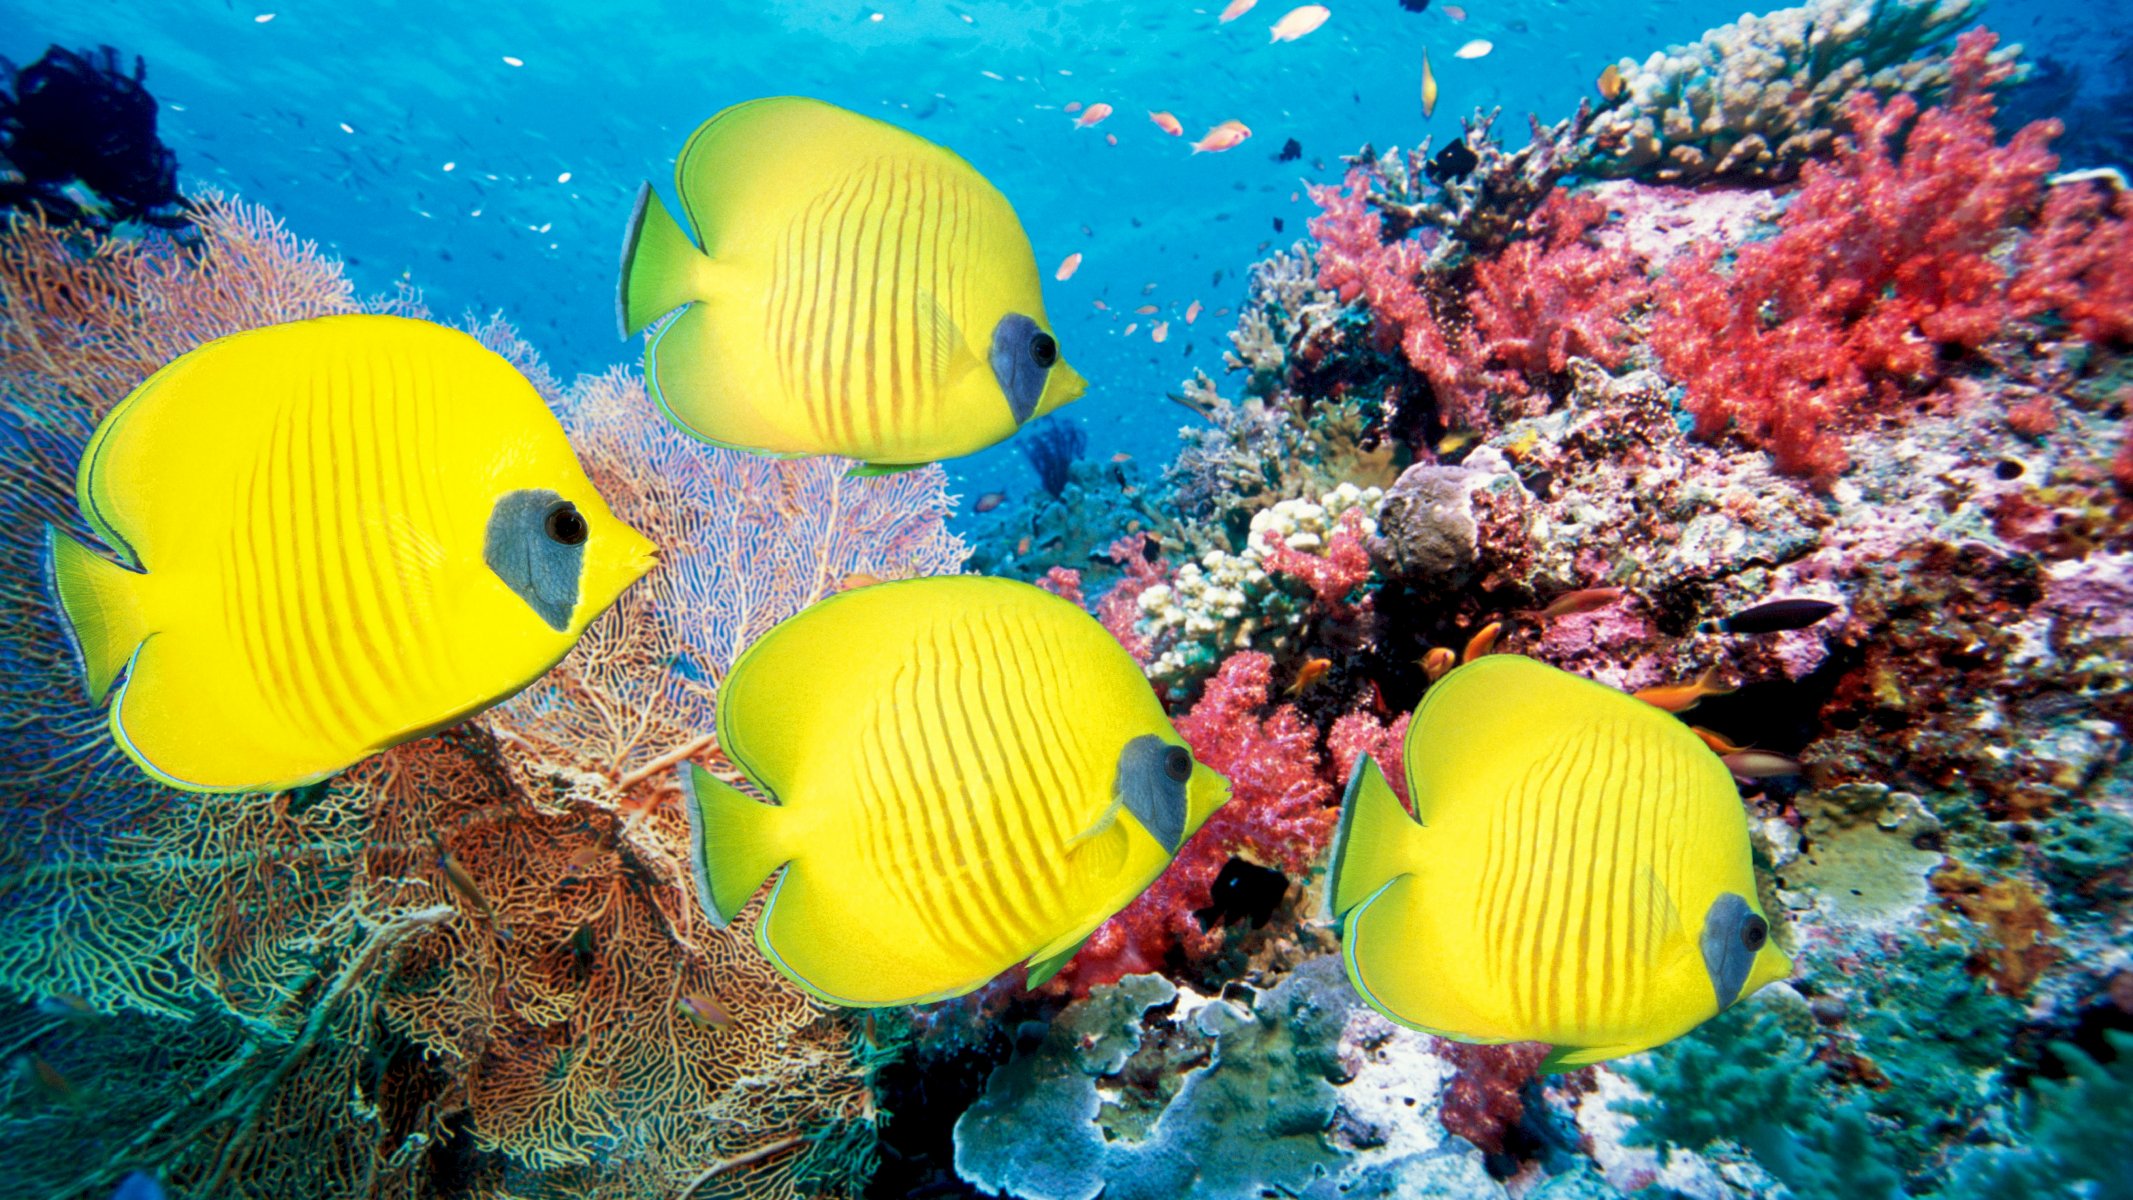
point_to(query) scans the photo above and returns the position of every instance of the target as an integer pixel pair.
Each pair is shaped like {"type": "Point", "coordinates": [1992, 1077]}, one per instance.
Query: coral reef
{"type": "Point", "coordinates": [78, 143]}
{"type": "Point", "coordinates": [1757, 99]}
{"type": "Point", "coordinates": [1052, 447]}
{"type": "Point", "coordinates": [467, 964]}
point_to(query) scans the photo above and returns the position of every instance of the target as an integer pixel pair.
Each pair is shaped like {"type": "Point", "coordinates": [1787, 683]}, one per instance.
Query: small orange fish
{"type": "Point", "coordinates": [1760, 764]}
{"type": "Point", "coordinates": [1313, 670]}
{"type": "Point", "coordinates": [1192, 312]}
{"type": "Point", "coordinates": [1145, 309]}
{"type": "Point", "coordinates": [1299, 21]}
{"type": "Point", "coordinates": [1716, 741]}
{"type": "Point", "coordinates": [858, 579]}
{"type": "Point", "coordinates": [989, 501]}
{"type": "Point", "coordinates": [1161, 331]}
{"type": "Point", "coordinates": [704, 1010]}
{"type": "Point", "coordinates": [1067, 266]}
{"type": "Point", "coordinates": [1167, 123]}
{"type": "Point", "coordinates": [1429, 88]}
{"type": "Point", "coordinates": [1680, 697]}
{"type": "Point", "coordinates": [1235, 9]}
{"type": "Point", "coordinates": [1092, 114]}
{"type": "Point", "coordinates": [1482, 642]}
{"type": "Point", "coordinates": [462, 880]}
{"type": "Point", "coordinates": [1438, 662]}
{"type": "Point", "coordinates": [1121, 457]}
{"type": "Point", "coordinates": [1227, 136]}
{"type": "Point", "coordinates": [1456, 13]}
{"type": "Point", "coordinates": [1569, 604]}
{"type": "Point", "coordinates": [1022, 547]}
{"type": "Point", "coordinates": [586, 857]}
{"type": "Point", "coordinates": [1611, 83]}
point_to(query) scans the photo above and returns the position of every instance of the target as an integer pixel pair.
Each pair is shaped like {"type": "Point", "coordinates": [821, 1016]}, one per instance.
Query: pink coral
{"type": "Point", "coordinates": [1880, 261]}
{"type": "Point", "coordinates": [1120, 608]}
{"type": "Point", "coordinates": [1284, 803]}
{"type": "Point", "coordinates": [1332, 576]}
{"type": "Point", "coordinates": [1065, 583]}
{"type": "Point", "coordinates": [1484, 1100]}
{"type": "Point", "coordinates": [2076, 264]}
{"type": "Point", "coordinates": [1544, 299]}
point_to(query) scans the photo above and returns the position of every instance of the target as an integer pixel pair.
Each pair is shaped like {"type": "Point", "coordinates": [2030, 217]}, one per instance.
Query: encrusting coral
{"type": "Point", "coordinates": [490, 932]}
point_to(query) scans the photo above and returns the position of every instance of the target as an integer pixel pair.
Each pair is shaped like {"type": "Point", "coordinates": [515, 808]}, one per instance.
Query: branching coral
{"type": "Point", "coordinates": [481, 940]}
{"type": "Point", "coordinates": [1756, 99]}
{"type": "Point", "coordinates": [2075, 264]}
{"type": "Point", "coordinates": [1880, 261]}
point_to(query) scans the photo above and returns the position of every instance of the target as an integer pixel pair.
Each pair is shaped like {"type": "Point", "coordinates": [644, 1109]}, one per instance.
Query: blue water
{"type": "Point", "coordinates": [342, 118]}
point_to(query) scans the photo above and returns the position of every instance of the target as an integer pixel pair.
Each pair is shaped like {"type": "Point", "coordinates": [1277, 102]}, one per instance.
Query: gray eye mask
{"type": "Point", "coordinates": [536, 545]}
{"type": "Point", "coordinates": [1152, 775]}
{"type": "Point", "coordinates": [1732, 936]}
{"type": "Point", "coordinates": [1022, 358]}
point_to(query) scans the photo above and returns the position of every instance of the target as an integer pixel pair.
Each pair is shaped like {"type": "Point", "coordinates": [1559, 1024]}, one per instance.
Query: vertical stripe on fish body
{"type": "Point", "coordinates": [1575, 854]}
{"type": "Point", "coordinates": [946, 757]}
{"type": "Point", "coordinates": [851, 288]}
{"type": "Point", "coordinates": [311, 509]}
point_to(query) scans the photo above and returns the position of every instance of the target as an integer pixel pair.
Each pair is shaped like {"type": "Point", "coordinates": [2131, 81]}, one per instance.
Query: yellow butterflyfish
{"type": "Point", "coordinates": [964, 774]}
{"type": "Point", "coordinates": [334, 536]}
{"type": "Point", "coordinates": [850, 288]}
{"type": "Point", "coordinates": [1576, 871]}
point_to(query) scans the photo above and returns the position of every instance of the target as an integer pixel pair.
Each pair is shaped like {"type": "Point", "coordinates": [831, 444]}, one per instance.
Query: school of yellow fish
{"type": "Point", "coordinates": [325, 538]}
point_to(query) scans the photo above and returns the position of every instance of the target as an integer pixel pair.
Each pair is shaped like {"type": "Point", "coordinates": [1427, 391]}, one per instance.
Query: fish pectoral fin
{"type": "Point", "coordinates": [949, 355]}
{"type": "Point", "coordinates": [1664, 932]}
{"type": "Point", "coordinates": [1097, 855]}
{"type": "Point", "coordinates": [1569, 1058]}
{"type": "Point", "coordinates": [1046, 963]}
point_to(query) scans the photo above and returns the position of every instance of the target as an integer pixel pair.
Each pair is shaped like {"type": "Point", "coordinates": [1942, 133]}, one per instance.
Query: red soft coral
{"type": "Point", "coordinates": [1120, 608]}
{"type": "Point", "coordinates": [1283, 805]}
{"type": "Point", "coordinates": [1878, 263]}
{"type": "Point", "coordinates": [1542, 300]}
{"type": "Point", "coordinates": [1332, 576]}
{"type": "Point", "coordinates": [2079, 264]}
{"type": "Point", "coordinates": [1485, 1099]}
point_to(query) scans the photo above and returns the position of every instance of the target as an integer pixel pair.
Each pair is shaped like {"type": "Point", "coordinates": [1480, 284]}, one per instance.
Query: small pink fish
{"type": "Point", "coordinates": [1192, 312]}
{"type": "Point", "coordinates": [1131, 326]}
{"type": "Point", "coordinates": [1569, 604]}
{"type": "Point", "coordinates": [1167, 123]}
{"type": "Point", "coordinates": [1110, 139]}
{"type": "Point", "coordinates": [1299, 21]}
{"type": "Point", "coordinates": [1161, 332]}
{"type": "Point", "coordinates": [1072, 107]}
{"type": "Point", "coordinates": [1456, 13]}
{"type": "Point", "coordinates": [704, 1010]}
{"type": "Point", "coordinates": [1145, 309]}
{"type": "Point", "coordinates": [1092, 114]}
{"type": "Point", "coordinates": [1236, 8]}
{"type": "Point", "coordinates": [1760, 764]}
{"type": "Point", "coordinates": [1227, 136]}
{"type": "Point", "coordinates": [1067, 266]}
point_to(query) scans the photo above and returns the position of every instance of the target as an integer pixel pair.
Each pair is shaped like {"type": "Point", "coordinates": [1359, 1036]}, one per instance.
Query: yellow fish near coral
{"type": "Point", "coordinates": [851, 289]}
{"type": "Point", "coordinates": [1579, 872]}
{"type": "Point", "coordinates": [336, 535]}
{"type": "Point", "coordinates": [966, 774]}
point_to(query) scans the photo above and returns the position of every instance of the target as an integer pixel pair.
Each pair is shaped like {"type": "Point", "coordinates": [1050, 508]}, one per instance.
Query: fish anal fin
{"type": "Point", "coordinates": [874, 470]}
{"type": "Point", "coordinates": [1042, 965]}
{"type": "Point", "coordinates": [1570, 1058]}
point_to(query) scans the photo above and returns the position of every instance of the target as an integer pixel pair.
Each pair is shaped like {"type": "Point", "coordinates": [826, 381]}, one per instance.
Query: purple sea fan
{"type": "Point", "coordinates": [744, 542]}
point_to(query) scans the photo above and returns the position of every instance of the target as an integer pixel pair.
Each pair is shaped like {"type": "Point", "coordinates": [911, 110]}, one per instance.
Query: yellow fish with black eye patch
{"type": "Point", "coordinates": [334, 536]}
{"type": "Point", "coordinates": [1576, 872]}
{"type": "Point", "coordinates": [850, 288]}
{"type": "Point", "coordinates": [965, 774]}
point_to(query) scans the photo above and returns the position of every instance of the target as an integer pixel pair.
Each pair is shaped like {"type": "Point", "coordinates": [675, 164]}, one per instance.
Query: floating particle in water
{"type": "Point", "coordinates": [510, 61]}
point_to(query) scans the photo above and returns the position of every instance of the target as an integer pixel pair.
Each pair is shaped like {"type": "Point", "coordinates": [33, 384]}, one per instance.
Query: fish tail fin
{"type": "Point", "coordinates": [735, 841]}
{"type": "Point", "coordinates": [1377, 841]}
{"type": "Point", "coordinates": [100, 605]}
{"type": "Point", "coordinates": [661, 267]}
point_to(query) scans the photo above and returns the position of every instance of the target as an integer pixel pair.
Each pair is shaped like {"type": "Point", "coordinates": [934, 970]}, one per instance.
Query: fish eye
{"type": "Point", "coordinates": [566, 525]}
{"type": "Point", "coordinates": [1043, 349]}
{"type": "Point", "coordinates": [1754, 932]}
{"type": "Point", "coordinates": [1177, 763]}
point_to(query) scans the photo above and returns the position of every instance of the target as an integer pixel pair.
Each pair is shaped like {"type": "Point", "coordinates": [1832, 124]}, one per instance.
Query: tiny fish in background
{"type": "Point", "coordinates": [1291, 150]}
{"type": "Point", "coordinates": [1455, 161]}
{"type": "Point", "coordinates": [962, 358]}
{"type": "Point", "coordinates": [1760, 764]}
{"type": "Point", "coordinates": [462, 882]}
{"type": "Point", "coordinates": [704, 1010]}
{"type": "Point", "coordinates": [45, 1080]}
{"type": "Point", "coordinates": [1093, 114]}
{"type": "Point", "coordinates": [1718, 742]}
{"type": "Point", "coordinates": [1478, 48]}
{"type": "Point", "coordinates": [379, 507]}
{"type": "Point", "coordinates": [1438, 662]}
{"type": "Point", "coordinates": [1680, 697]}
{"type": "Point", "coordinates": [858, 579]}
{"type": "Point", "coordinates": [1146, 309]}
{"type": "Point", "coordinates": [1584, 600]}
{"type": "Point", "coordinates": [1452, 922]}
{"type": "Point", "coordinates": [1429, 87]}
{"type": "Point", "coordinates": [1022, 547]}
{"type": "Point", "coordinates": [1167, 123]}
{"type": "Point", "coordinates": [1235, 9]}
{"type": "Point", "coordinates": [1483, 641]}
{"type": "Point", "coordinates": [925, 835]}
{"type": "Point", "coordinates": [1456, 13]}
{"type": "Point", "coordinates": [1192, 312]}
{"type": "Point", "coordinates": [989, 501]}
{"type": "Point", "coordinates": [1067, 266]}
{"type": "Point", "coordinates": [1611, 83]}
{"type": "Point", "coordinates": [1160, 332]}
{"type": "Point", "coordinates": [1774, 616]}
{"type": "Point", "coordinates": [1299, 21]}
{"type": "Point", "coordinates": [1121, 457]}
{"type": "Point", "coordinates": [1313, 670]}
{"type": "Point", "coordinates": [1226, 136]}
